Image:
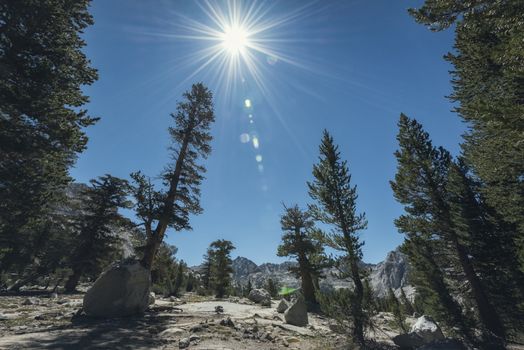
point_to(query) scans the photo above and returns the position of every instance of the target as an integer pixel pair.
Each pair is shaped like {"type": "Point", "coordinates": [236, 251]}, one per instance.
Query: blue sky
{"type": "Point", "coordinates": [353, 67]}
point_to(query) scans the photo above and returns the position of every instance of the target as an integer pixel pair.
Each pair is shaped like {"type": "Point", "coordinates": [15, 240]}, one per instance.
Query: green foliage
{"type": "Point", "coordinates": [163, 272]}
{"type": "Point", "coordinates": [299, 241]}
{"type": "Point", "coordinates": [488, 60]}
{"type": "Point", "coordinates": [96, 245]}
{"type": "Point", "coordinates": [286, 291]}
{"type": "Point", "coordinates": [248, 288]}
{"type": "Point", "coordinates": [272, 287]}
{"type": "Point", "coordinates": [180, 195]}
{"type": "Point", "coordinates": [336, 206]}
{"type": "Point", "coordinates": [339, 304]}
{"type": "Point", "coordinates": [221, 267]}
{"type": "Point", "coordinates": [397, 311]}
{"type": "Point", "coordinates": [41, 118]}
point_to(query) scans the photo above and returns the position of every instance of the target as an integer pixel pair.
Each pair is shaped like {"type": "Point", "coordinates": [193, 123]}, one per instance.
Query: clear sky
{"type": "Point", "coordinates": [348, 66]}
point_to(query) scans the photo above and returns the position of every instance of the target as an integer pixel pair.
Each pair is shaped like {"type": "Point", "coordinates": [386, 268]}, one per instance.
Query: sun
{"type": "Point", "coordinates": [235, 39]}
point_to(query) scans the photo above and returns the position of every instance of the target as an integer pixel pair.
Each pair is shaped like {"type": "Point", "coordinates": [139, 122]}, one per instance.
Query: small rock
{"type": "Point", "coordinates": [291, 340]}
{"type": "Point", "coordinates": [219, 309]}
{"type": "Point", "coordinates": [173, 299]}
{"type": "Point", "coordinates": [183, 343]}
{"type": "Point", "coordinates": [227, 322]}
{"type": "Point", "coordinates": [197, 328]}
{"type": "Point", "coordinates": [30, 301]}
{"type": "Point", "coordinates": [172, 332]}
{"type": "Point", "coordinates": [152, 298]}
{"type": "Point", "coordinates": [282, 306]}
{"type": "Point", "coordinates": [194, 337]}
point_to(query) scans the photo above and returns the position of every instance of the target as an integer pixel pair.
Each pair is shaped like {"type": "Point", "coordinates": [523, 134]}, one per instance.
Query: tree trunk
{"type": "Point", "coordinates": [307, 285]}
{"type": "Point", "coordinates": [488, 315]}
{"type": "Point", "coordinates": [156, 238]}
{"type": "Point", "coordinates": [356, 305]}
{"type": "Point", "coordinates": [72, 281]}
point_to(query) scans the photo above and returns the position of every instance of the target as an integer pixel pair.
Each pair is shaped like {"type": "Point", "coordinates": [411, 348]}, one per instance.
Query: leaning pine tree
{"type": "Point", "coordinates": [171, 207]}
{"type": "Point", "coordinates": [436, 244]}
{"type": "Point", "coordinates": [336, 206]}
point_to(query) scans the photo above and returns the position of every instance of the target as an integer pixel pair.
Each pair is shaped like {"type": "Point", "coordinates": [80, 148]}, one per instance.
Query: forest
{"type": "Point", "coordinates": [462, 222]}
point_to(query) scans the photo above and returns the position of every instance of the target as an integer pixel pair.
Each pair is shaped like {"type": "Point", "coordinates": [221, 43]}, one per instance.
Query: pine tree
{"type": "Point", "coordinates": [96, 244]}
{"type": "Point", "coordinates": [422, 185]}
{"type": "Point", "coordinates": [248, 289]}
{"type": "Point", "coordinates": [396, 309]}
{"type": "Point", "coordinates": [41, 118]}
{"type": "Point", "coordinates": [272, 287]}
{"type": "Point", "coordinates": [336, 206]}
{"type": "Point", "coordinates": [222, 268]}
{"type": "Point", "coordinates": [488, 63]}
{"type": "Point", "coordinates": [298, 241]}
{"type": "Point", "coordinates": [191, 143]}
{"type": "Point", "coordinates": [164, 269]}
{"type": "Point", "coordinates": [179, 279]}
{"type": "Point", "coordinates": [206, 269]}
{"type": "Point", "coordinates": [406, 304]}
{"type": "Point", "coordinates": [190, 284]}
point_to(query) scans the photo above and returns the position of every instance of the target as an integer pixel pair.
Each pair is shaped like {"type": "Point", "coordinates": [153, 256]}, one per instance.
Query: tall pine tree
{"type": "Point", "coordinates": [160, 209]}
{"type": "Point", "coordinates": [336, 205]}
{"type": "Point", "coordinates": [42, 120]}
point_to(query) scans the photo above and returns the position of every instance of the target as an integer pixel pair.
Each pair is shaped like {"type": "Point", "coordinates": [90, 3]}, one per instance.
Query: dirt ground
{"type": "Point", "coordinates": [44, 321]}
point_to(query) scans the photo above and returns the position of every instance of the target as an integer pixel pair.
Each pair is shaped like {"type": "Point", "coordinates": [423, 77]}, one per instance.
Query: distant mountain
{"type": "Point", "coordinates": [391, 273]}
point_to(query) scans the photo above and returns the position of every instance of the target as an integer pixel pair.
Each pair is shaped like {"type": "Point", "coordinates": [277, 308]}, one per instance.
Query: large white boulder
{"type": "Point", "coordinates": [423, 332]}
{"type": "Point", "coordinates": [427, 329]}
{"type": "Point", "coordinates": [121, 290]}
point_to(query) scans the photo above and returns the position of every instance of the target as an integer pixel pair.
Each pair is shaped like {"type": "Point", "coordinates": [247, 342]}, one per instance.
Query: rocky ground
{"type": "Point", "coordinates": [46, 321]}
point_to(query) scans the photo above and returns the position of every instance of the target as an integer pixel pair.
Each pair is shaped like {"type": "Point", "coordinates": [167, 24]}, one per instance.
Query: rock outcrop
{"type": "Point", "coordinates": [260, 296]}
{"type": "Point", "coordinates": [121, 290]}
{"type": "Point", "coordinates": [392, 273]}
{"type": "Point", "coordinates": [296, 314]}
{"type": "Point", "coordinates": [424, 332]}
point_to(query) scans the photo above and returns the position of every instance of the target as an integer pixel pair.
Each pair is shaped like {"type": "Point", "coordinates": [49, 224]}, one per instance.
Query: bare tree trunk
{"type": "Point", "coordinates": [72, 281]}
{"type": "Point", "coordinates": [157, 236]}
{"type": "Point", "coordinates": [488, 315]}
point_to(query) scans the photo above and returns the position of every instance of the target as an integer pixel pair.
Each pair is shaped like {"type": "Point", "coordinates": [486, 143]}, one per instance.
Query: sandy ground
{"type": "Point", "coordinates": [43, 322]}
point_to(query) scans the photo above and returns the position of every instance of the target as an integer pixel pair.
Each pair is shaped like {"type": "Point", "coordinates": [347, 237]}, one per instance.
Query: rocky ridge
{"type": "Point", "coordinates": [392, 273]}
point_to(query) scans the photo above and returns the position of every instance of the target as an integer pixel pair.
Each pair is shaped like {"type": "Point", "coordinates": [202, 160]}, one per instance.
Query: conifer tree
{"type": "Point", "coordinates": [41, 117]}
{"type": "Point", "coordinates": [96, 244]}
{"type": "Point", "coordinates": [297, 241]}
{"type": "Point", "coordinates": [336, 206]}
{"type": "Point", "coordinates": [163, 272]}
{"type": "Point", "coordinates": [488, 63]}
{"type": "Point", "coordinates": [206, 269]}
{"type": "Point", "coordinates": [396, 309]}
{"type": "Point", "coordinates": [222, 268]}
{"type": "Point", "coordinates": [179, 278]}
{"type": "Point", "coordinates": [272, 287]}
{"type": "Point", "coordinates": [422, 185]}
{"type": "Point", "coordinates": [248, 289]}
{"type": "Point", "coordinates": [406, 304]}
{"type": "Point", "coordinates": [160, 209]}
